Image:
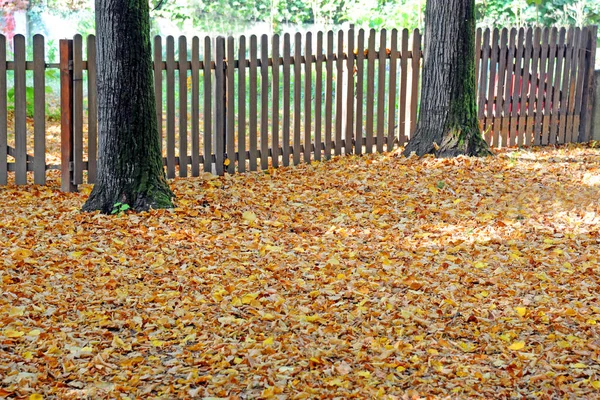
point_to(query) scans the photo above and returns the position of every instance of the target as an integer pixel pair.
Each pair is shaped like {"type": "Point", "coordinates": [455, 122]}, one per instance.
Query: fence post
{"type": "Point", "coordinates": [220, 104]}
{"type": "Point", "coordinates": [66, 116]}
{"type": "Point", "coordinates": [589, 85]}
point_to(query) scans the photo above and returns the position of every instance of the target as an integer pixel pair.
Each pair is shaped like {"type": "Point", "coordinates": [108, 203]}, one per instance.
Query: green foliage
{"type": "Point", "coordinates": [119, 208]}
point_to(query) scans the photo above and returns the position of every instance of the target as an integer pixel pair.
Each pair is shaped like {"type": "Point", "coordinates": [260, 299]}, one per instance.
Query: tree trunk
{"type": "Point", "coordinates": [130, 168]}
{"type": "Point", "coordinates": [448, 124]}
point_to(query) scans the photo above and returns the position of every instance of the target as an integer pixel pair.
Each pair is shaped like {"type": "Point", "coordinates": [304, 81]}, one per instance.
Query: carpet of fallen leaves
{"type": "Point", "coordinates": [360, 277]}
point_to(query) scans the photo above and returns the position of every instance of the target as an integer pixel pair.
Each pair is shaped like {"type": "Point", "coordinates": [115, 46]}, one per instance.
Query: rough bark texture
{"type": "Point", "coordinates": [448, 124]}
{"type": "Point", "coordinates": [130, 168]}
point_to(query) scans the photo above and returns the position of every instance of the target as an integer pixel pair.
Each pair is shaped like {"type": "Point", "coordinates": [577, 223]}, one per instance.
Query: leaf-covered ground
{"type": "Point", "coordinates": [361, 277]}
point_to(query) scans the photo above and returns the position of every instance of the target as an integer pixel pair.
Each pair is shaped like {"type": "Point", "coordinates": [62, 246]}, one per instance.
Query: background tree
{"type": "Point", "coordinates": [448, 124]}
{"type": "Point", "coordinates": [130, 168]}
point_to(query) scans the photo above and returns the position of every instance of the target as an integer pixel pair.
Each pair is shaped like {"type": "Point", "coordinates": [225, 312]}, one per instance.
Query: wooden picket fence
{"type": "Point", "coordinates": [226, 105]}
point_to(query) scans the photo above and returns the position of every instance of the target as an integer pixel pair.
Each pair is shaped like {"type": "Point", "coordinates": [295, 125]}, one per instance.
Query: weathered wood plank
{"type": "Point", "coordinates": [416, 73]}
{"type": "Point", "coordinates": [297, 96]}
{"type": "Point", "coordinates": [391, 108]}
{"type": "Point", "coordinates": [158, 79]}
{"type": "Point", "coordinates": [541, 88]}
{"type": "Point", "coordinates": [170, 93]}
{"type": "Point", "coordinates": [381, 64]}
{"type": "Point", "coordinates": [183, 95]}
{"type": "Point", "coordinates": [533, 85]}
{"type": "Point", "coordinates": [339, 93]}
{"type": "Point", "coordinates": [483, 81]}
{"type": "Point", "coordinates": [516, 88]}
{"type": "Point", "coordinates": [264, 102]}
{"type": "Point", "coordinates": [349, 133]}
{"type": "Point", "coordinates": [78, 109]}
{"type": "Point", "coordinates": [508, 87]}
{"type": "Point", "coordinates": [275, 102]}
{"type": "Point", "coordinates": [39, 111]}
{"type": "Point", "coordinates": [320, 58]}
{"type": "Point", "coordinates": [525, 87]}
{"type": "Point", "coordinates": [307, 96]}
{"type": "Point", "coordinates": [370, 91]}
{"type": "Point", "coordinates": [253, 102]}
{"type": "Point", "coordinates": [329, 95]}
{"type": "Point", "coordinates": [402, 136]}
{"type": "Point", "coordinates": [499, 101]}
{"type": "Point", "coordinates": [572, 86]}
{"type": "Point", "coordinates": [242, 105]}
{"type": "Point", "coordinates": [285, 129]}
{"type": "Point", "coordinates": [548, 93]}
{"type": "Point", "coordinates": [581, 51]}
{"type": "Point", "coordinates": [195, 106]}
{"type": "Point", "coordinates": [360, 73]}
{"type": "Point", "coordinates": [93, 110]}
{"type": "Point", "coordinates": [20, 113]}
{"type": "Point", "coordinates": [589, 87]}
{"type": "Point", "coordinates": [557, 86]}
{"type": "Point", "coordinates": [220, 104]}
{"type": "Point", "coordinates": [66, 115]}
{"type": "Point", "coordinates": [230, 106]}
{"type": "Point", "coordinates": [491, 97]}
{"type": "Point", "coordinates": [208, 93]}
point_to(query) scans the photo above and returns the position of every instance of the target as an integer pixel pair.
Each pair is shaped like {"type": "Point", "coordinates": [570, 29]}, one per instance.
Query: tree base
{"type": "Point", "coordinates": [465, 141]}
{"type": "Point", "coordinates": [143, 198]}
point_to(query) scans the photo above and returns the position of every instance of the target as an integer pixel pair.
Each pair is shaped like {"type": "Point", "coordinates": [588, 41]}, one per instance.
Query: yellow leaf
{"type": "Point", "coordinates": [578, 366]}
{"type": "Point", "coordinates": [157, 343]}
{"type": "Point", "coordinates": [364, 374]}
{"type": "Point", "coordinates": [248, 298]}
{"type": "Point", "coordinates": [118, 242]}
{"type": "Point", "coordinates": [268, 341]}
{"type": "Point", "coordinates": [34, 332]}
{"type": "Point", "coordinates": [236, 302]}
{"type": "Point", "coordinates": [16, 311]}
{"type": "Point", "coordinates": [249, 216]}
{"type": "Point", "coordinates": [517, 345]}
{"type": "Point", "coordinates": [312, 318]}
{"type": "Point", "coordinates": [36, 396]}
{"type": "Point", "coordinates": [596, 384]}
{"type": "Point", "coordinates": [591, 322]}
{"type": "Point", "coordinates": [237, 360]}
{"type": "Point", "coordinates": [521, 311]}
{"type": "Point", "coordinates": [226, 162]}
{"type": "Point", "coordinates": [11, 333]}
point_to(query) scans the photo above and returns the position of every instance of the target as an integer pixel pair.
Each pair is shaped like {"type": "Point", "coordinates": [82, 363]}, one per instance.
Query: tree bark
{"type": "Point", "coordinates": [448, 124]}
{"type": "Point", "coordinates": [130, 167]}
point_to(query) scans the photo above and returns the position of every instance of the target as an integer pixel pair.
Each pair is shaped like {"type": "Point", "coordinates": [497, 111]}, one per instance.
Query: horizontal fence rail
{"type": "Point", "coordinates": [226, 104]}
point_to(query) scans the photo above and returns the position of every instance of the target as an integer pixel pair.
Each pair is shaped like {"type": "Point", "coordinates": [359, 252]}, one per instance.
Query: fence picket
{"type": "Point", "coordinates": [20, 113]}
{"type": "Point", "coordinates": [207, 113]}
{"type": "Point", "coordinates": [499, 92]}
{"type": "Point", "coordinates": [508, 87]}
{"type": "Point", "coordinates": [349, 132]}
{"type": "Point", "coordinates": [391, 108]}
{"type": "Point", "coordinates": [78, 109]}
{"type": "Point", "coordinates": [416, 73]}
{"type": "Point", "coordinates": [39, 117]}
{"type": "Point", "coordinates": [275, 103]}
{"type": "Point", "coordinates": [92, 109]}
{"type": "Point", "coordinates": [319, 58]}
{"type": "Point", "coordinates": [3, 114]}
{"type": "Point", "coordinates": [360, 72]}
{"type": "Point", "coordinates": [170, 107]}
{"type": "Point", "coordinates": [548, 92]}
{"type": "Point", "coordinates": [483, 82]}
{"type": "Point", "coordinates": [556, 87]}
{"type": "Point", "coordinates": [566, 77]}
{"type": "Point", "coordinates": [195, 106]}
{"type": "Point", "coordinates": [158, 81]}
{"type": "Point", "coordinates": [572, 84]}
{"type": "Point", "coordinates": [589, 85]}
{"type": "Point", "coordinates": [230, 107]}
{"type": "Point", "coordinates": [286, 99]}
{"type": "Point", "coordinates": [329, 95]}
{"type": "Point", "coordinates": [516, 88]}
{"type": "Point", "coordinates": [541, 88]}
{"type": "Point", "coordinates": [580, 50]}
{"type": "Point", "coordinates": [402, 136]}
{"type": "Point", "coordinates": [297, 96]}
{"type": "Point", "coordinates": [253, 102]}
{"type": "Point", "coordinates": [370, 91]}
{"type": "Point", "coordinates": [242, 106]}
{"type": "Point", "coordinates": [339, 93]}
{"type": "Point", "coordinates": [478, 34]}
{"type": "Point", "coordinates": [182, 75]}
{"type": "Point", "coordinates": [264, 102]}
{"type": "Point", "coordinates": [491, 97]}
{"type": "Point", "coordinates": [533, 85]}
{"type": "Point", "coordinates": [219, 99]}
{"type": "Point", "coordinates": [525, 87]}
{"type": "Point", "coordinates": [381, 64]}
{"type": "Point", "coordinates": [307, 97]}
